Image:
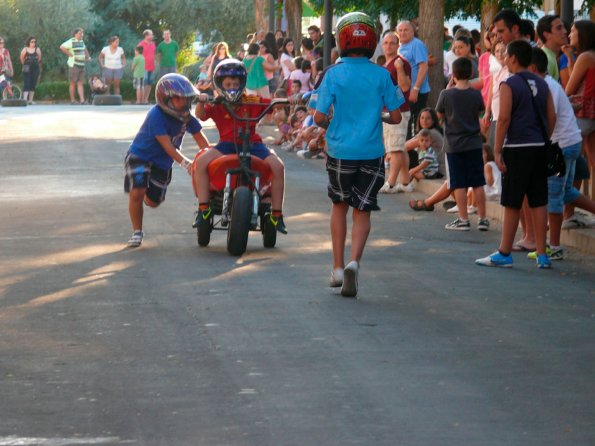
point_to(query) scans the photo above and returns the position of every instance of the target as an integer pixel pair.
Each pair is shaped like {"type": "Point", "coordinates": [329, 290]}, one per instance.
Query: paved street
{"type": "Point", "coordinates": [172, 344]}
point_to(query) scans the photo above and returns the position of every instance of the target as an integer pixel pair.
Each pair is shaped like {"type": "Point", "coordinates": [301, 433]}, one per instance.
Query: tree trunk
{"type": "Point", "coordinates": [279, 15]}
{"type": "Point", "coordinates": [431, 31]}
{"type": "Point", "coordinates": [293, 13]}
{"type": "Point", "coordinates": [592, 14]}
{"type": "Point", "coordinates": [489, 9]}
{"type": "Point", "coordinates": [261, 18]}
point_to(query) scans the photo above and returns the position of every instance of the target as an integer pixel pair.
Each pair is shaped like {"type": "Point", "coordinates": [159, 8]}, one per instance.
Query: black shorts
{"type": "Point", "coordinates": [143, 174]}
{"type": "Point", "coordinates": [465, 169]}
{"type": "Point", "coordinates": [355, 182]}
{"type": "Point", "coordinates": [526, 174]}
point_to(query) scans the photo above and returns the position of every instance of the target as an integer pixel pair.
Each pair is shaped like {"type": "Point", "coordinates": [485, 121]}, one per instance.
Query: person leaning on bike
{"type": "Point", "coordinates": [5, 62]}
{"type": "Point", "coordinates": [229, 80]}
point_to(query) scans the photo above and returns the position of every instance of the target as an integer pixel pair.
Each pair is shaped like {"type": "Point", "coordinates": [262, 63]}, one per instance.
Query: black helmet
{"type": "Point", "coordinates": [230, 68]}
{"type": "Point", "coordinates": [171, 85]}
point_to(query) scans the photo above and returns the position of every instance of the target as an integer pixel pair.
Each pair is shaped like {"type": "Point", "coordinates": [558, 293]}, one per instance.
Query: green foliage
{"type": "Point", "coordinates": [57, 91]}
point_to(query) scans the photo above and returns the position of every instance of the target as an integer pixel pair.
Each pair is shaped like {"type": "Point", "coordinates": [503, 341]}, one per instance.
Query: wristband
{"type": "Point", "coordinates": [416, 88]}
{"type": "Point", "coordinates": [185, 164]}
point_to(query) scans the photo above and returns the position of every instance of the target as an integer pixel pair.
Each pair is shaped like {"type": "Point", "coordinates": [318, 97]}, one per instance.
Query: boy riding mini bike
{"type": "Point", "coordinates": [240, 179]}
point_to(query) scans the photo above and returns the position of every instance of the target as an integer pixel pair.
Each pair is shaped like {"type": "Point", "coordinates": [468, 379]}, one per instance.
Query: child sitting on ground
{"type": "Point", "coordinates": [311, 136]}
{"type": "Point", "coordinates": [428, 162]}
{"type": "Point", "coordinates": [492, 174]}
{"type": "Point", "coordinates": [281, 119]}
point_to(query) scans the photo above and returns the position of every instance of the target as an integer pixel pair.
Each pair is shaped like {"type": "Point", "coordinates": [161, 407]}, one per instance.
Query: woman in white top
{"type": "Point", "coordinates": [112, 61]}
{"type": "Point", "coordinates": [287, 55]}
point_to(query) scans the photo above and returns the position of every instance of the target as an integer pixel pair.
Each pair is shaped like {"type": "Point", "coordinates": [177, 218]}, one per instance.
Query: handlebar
{"type": "Point", "coordinates": [229, 107]}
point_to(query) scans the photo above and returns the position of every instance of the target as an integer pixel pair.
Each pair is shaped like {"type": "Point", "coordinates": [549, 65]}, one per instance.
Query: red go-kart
{"type": "Point", "coordinates": [239, 191]}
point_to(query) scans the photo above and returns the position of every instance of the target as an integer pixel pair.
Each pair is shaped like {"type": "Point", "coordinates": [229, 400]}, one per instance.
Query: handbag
{"type": "Point", "coordinates": [553, 153]}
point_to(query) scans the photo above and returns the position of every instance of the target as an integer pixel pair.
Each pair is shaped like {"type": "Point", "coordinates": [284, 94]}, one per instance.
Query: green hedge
{"type": "Point", "coordinates": [58, 91]}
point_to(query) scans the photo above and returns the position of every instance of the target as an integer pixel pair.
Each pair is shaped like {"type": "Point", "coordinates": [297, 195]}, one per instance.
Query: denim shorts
{"type": "Point", "coordinates": [258, 149]}
{"type": "Point", "coordinates": [560, 189]}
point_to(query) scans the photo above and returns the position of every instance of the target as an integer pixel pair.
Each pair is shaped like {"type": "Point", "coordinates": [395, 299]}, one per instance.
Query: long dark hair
{"type": "Point", "coordinates": [284, 48]}
{"type": "Point", "coordinates": [435, 119]}
{"type": "Point", "coordinates": [586, 35]}
{"type": "Point", "coordinates": [269, 38]}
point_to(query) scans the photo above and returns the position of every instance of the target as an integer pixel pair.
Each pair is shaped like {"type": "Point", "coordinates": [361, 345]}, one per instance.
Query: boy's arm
{"type": "Point", "coordinates": [174, 153]}
{"type": "Point", "coordinates": [502, 124]}
{"type": "Point", "coordinates": [421, 166]}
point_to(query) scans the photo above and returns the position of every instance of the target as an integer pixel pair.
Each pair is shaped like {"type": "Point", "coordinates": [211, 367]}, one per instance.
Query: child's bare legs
{"type": "Point", "coordinates": [479, 201]}
{"type": "Point", "coordinates": [539, 218]}
{"type": "Point", "coordinates": [278, 183]}
{"type": "Point", "coordinates": [139, 95]}
{"type": "Point", "coordinates": [136, 198]}
{"type": "Point", "coordinates": [116, 86]}
{"type": "Point", "coordinates": [461, 199]}
{"type": "Point", "coordinates": [509, 227]}
{"type": "Point", "coordinates": [201, 175]}
{"type": "Point", "coordinates": [528, 238]}
{"type": "Point", "coordinates": [339, 233]}
{"type": "Point", "coordinates": [555, 224]}
{"type": "Point", "coordinates": [360, 230]}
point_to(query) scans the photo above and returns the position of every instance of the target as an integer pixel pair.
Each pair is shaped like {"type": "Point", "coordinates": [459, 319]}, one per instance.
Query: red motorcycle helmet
{"type": "Point", "coordinates": [356, 33]}
{"type": "Point", "coordinates": [171, 85]}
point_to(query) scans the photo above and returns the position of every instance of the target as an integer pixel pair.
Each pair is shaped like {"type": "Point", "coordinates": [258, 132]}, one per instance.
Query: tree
{"type": "Point", "coordinates": [431, 31]}
{"type": "Point", "coordinates": [293, 12]}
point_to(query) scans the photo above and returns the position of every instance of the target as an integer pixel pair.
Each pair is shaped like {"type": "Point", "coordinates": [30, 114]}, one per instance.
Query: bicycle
{"type": "Point", "coordinates": [9, 91]}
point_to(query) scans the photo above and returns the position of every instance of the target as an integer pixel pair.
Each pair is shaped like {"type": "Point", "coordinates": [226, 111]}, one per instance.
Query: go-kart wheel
{"type": "Point", "coordinates": [203, 232]}
{"type": "Point", "coordinates": [239, 225]}
{"type": "Point", "coordinates": [269, 232]}
{"type": "Point", "coordinates": [107, 99]}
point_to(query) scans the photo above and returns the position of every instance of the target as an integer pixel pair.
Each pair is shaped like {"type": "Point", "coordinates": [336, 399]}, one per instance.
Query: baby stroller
{"type": "Point", "coordinates": [97, 86]}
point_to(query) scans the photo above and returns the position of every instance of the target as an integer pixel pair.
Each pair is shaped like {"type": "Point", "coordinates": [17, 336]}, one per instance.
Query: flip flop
{"type": "Point", "coordinates": [420, 205]}
{"type": "Point", "coordinates": [518, 247]}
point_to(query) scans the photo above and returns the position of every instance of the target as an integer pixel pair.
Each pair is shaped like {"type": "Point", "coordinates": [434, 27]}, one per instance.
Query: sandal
{"type": "Point", "coordinates": [420, 205]}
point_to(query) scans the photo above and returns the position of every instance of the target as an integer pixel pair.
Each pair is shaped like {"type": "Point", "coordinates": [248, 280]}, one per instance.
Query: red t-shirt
{"type": "Point", "coordinates": [225, 123]}
{"type": "Point", "coordinates": [148, 54]}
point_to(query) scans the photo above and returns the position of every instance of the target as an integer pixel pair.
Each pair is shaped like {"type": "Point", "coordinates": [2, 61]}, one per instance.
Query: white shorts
{"type": "Point", "coordinates": [395, 135]}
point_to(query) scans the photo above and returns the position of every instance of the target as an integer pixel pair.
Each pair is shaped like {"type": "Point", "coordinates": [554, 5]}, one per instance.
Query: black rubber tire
{"type": "Point", "coordinates": [107, 99]}
{"type": "Point", "coordinates": [13, 103]}
{"type": "Point", "coordinates": [239, 225]}
{"type": "Point", "coordinates": [269, 232]}
{"type": "Point", "coordinates": [203, 233]}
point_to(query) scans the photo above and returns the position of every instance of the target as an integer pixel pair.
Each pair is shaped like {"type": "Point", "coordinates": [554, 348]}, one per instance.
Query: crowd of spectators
{"type": "Point", "coordinates": [426, 146]}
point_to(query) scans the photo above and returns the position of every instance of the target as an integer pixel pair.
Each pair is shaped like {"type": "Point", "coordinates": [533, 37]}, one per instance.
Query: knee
{"type": "Point", "coordinates": [150, 202]}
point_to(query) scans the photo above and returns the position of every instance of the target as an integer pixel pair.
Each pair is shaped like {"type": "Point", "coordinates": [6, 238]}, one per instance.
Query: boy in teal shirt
{"type": "Point", "coordinates": [138, 73]}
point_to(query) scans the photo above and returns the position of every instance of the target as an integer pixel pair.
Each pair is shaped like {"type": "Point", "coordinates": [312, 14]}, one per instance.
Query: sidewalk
{"type": "Point", "coordinates": [580, 239]}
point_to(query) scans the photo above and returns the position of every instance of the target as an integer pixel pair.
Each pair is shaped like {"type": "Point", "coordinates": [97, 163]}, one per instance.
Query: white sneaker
{"type": "Point", "coordinates": [136, 239]}
{"type": "Point", "coordinates": [301, 153]}
{"type": "Point", "coordinates": [407, 187]}
{"type": "Point", "coordinates": [453, 210]}
{"type": "Point", "coordinates": [388, 189]}
{"type": "Point", "coordinates": [336, 278]}
{"type": "Point", "coordinates": [471, 210]}
{"type": "Point", "coordinates": [349, 288]}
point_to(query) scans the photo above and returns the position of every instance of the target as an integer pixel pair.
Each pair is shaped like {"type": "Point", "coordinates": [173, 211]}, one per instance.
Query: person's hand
{"type": "Point", "coordinates": [203, 97]}
{"type": "Point", "coordinates": [187, 165]}
{"type": "Point", "coordinates": [569, 51]}
{"type": "Point", "coordinates": [413, 93]}
{"type": "Point", "coordinates": [500, 163]}
{"type": "Point", "coordinates": [485, 120]}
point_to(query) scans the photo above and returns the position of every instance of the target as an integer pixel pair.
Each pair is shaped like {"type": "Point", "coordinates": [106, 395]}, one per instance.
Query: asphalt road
{"type": "Point", "coordinates": [172, 344]}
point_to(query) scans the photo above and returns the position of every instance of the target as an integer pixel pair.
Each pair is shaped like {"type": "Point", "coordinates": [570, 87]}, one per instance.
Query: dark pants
{"type": "Point", "coordinates": [416, 108]}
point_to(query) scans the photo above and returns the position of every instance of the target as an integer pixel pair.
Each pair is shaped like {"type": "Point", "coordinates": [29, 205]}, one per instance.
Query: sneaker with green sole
{"type": "Point", "coordinates": [553, 254]}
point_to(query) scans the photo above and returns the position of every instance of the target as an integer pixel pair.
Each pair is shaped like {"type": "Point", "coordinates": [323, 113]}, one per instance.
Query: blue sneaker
{"type": "Point", "coordinates": [543, 261]}
{"type": "Point", "coordinates": [496, 259]}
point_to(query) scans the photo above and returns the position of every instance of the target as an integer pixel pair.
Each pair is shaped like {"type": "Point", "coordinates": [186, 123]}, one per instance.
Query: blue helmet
{"type": "Point", "coordinates": [230, 68]}
{"type": "Point", "coordinates": [175, 85]}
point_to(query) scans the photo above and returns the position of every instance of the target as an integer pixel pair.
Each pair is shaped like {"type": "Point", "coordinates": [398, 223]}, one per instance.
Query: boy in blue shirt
{"type": "Point", "coordinates": [357, 90]}
{"type": "Point", "coordinates": [157, 145]}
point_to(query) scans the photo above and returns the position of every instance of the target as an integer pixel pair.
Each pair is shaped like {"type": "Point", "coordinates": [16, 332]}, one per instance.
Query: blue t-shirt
{"type": "Point", "coordinates": [416, 52]}
{"type": "Point", "coordinates": [159, 123]}
{"type": "Point", "coordinates": [358, 90]}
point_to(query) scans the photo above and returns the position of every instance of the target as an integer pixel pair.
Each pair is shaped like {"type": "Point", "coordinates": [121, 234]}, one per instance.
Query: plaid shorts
{"type": "Point", "coordinates": [143, 174]}
{"type": "Point", "coordinates": [355, 182]}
